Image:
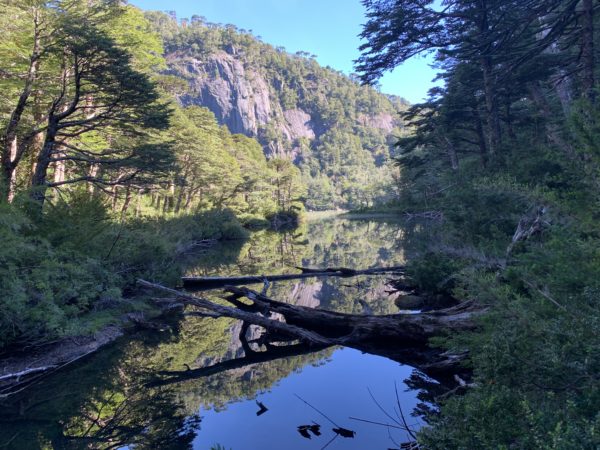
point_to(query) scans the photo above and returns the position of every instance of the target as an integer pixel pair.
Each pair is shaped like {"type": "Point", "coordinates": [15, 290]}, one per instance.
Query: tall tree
{"type": "Point", "coordinates": [99, 92]}
{"type": "Point", "coordinates": [20, 52]}
{"type": "Point", "coordinates": [497, 35]}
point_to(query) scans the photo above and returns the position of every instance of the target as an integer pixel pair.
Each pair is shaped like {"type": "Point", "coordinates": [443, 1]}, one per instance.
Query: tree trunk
{"type": "Point", "coordinates": [452, 155]}
{"type": "Point", "coordinates": [11, 154]}
{"type": "Point", "coordinates": [93, 173]}
{"type": "Point", "coordinates": [126, 202]}
{"type": "Point", "coordinates": [483, 151]}
{"type": "Point", "coordinates": [59, 170]}
{"type": "Point", "coordinates": [39, 180]}
{"type": "Point", "coordinates": [491, 100]}
{"type": "Point", "coordinates": [553, 131]}
{"type": "Point", "coordinates": [138, 206]}
{"type": "Point", "coordinates": [10, 171]}
{"type": "Point", "coordinates": [115, 197]}
{"type": "Point", "coordinates": [401, 337]}
{"type": "Point", "coordinates": [587, 49]}
{"type": "Point", "coordinates": [180, 196]}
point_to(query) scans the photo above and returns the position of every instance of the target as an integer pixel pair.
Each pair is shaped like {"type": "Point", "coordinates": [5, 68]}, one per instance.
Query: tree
{"type": "Point", "coordinates": [22, 50]}
{"type": "Point", "coordinates": [497, 35]}
{"type": "Point", "coordinates": [80, 95]}
{"type": "Point", "coordinates": [99, 92]}
{"type": "Point", "coordinates": [286, 180]}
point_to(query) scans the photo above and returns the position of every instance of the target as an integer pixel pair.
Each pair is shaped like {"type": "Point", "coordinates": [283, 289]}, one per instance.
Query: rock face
{"type": "Point", "coordinates": [306, 294]}
{"type": "Point", "coordinates": [238, 98]}
{"type": "Point", "coordinates": [242, 99]}
{"type": "Point", "coordinates": [384, 122]}
{"type": "Point", "coordinates": [298, 125]}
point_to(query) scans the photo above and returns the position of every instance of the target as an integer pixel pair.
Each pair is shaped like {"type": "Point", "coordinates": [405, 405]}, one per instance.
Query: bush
{"type": "Point", "coordinates": [67, 271]}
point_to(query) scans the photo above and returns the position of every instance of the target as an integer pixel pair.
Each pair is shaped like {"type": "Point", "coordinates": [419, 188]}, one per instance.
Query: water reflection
{"type": "Point", "coordinates": [121, 397]}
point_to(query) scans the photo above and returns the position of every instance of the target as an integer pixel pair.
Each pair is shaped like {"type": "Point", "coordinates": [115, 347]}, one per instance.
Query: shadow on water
{"type": "Point", "coordinates": [194, 386]}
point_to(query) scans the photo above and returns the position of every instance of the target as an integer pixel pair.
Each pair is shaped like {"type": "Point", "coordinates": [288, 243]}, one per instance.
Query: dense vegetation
{"type": "Point", "coordinates": [107, 175]}
{"type": "Point", "coordinates": [104, 176]}
{"type": "Point", "coordinates": [507, 151]}
{"type": "Point", "coordinates": [344, 156]}
{"type": "Point", "coordinates": [109, 172]}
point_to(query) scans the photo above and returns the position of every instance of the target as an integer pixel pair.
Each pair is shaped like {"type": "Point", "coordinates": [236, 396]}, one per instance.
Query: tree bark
{"type": "Point", "coordinates": [587, 50]}
{"type": "Point", "coordinates": [401, 337]}
{"type": "Point", "coordinates": [483, 151]}
{"type": "Point", "coordinates": [552, 130]}
{"type": "Point", "coordinates": [12, 153]}
{"type": "Point", "coordinates": [491, 100]}
{"type": "Point", "coordinates": [39, 179]}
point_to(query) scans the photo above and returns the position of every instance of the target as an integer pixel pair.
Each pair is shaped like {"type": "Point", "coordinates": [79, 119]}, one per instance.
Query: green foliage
{"type": "Point", "coordinates": [510, 162]}
{"type": "Point", "coordinates": [433, 272]}
{"type": "Point", "coordinates": [67, 272]}
{"type": "Point", "coordinates": [204, 153]}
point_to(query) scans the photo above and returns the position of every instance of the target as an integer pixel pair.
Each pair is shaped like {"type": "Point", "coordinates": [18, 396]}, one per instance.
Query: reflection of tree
{"type": "Point", "coordinates": [356, 244]}
{"type": "Point", "coordinates": [148, 422]}
{"type": "Point", "coordinates": [98, 405]}
{"type": "Point", "coordinates": [105, 402]}
{"type": "Point", "coordinates": [273, 353]}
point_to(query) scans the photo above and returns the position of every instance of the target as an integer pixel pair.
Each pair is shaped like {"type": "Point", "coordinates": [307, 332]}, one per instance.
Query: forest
{"type": "Point", "coordinates": [340, 134]}
{"type": "Point", "coordinates": [132, 143]}
{"type": "Point", "coordinates": [105, 176]}
{"type": "Point", "coordinates": [506, 154]}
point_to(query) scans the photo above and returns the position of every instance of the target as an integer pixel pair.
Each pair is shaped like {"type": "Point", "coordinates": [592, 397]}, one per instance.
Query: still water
{"type": "Point", "coordinates": [111, 400]}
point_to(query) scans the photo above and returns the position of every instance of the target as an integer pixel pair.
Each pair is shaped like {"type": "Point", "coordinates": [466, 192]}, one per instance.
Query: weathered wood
{"type": "Point", "coordinates": [235, 313]}
{"type": "Point", "coordinates": [204, 282]}
{"type": "Point", "coordinates": [26, 372]}
{"type": "Point", "coordinates": [402, 337]}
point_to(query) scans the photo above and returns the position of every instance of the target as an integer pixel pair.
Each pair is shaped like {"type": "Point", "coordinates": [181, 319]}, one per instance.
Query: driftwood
{"type": "Point", "coordinates": [212, 282]}
{"type": "Point", "coordinates": [529, 227]}
{"type": "Point", "coordinates": [402, 337]}
{"type": "Point", "coordinates": [23, 373]}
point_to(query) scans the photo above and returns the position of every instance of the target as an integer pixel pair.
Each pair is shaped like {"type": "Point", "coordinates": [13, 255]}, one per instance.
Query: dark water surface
{"type": "Point", "coordinates": [111, 401]}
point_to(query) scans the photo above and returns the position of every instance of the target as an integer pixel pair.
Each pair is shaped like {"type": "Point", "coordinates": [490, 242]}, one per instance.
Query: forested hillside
{"type": "Point", "coordinates": [506, 158]}
{"type": "Point", "coordinates": [105, 176]}
{"type": "Point", "coordinates": [339, 134]}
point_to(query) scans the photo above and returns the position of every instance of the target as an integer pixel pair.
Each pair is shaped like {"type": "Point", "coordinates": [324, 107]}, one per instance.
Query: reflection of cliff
{"type": "Point", "coordinates": [107, 400]}
{"type": "Point", "coordinates": [326, 243]}
{"type": "Point", "coordinates": [305, 294]}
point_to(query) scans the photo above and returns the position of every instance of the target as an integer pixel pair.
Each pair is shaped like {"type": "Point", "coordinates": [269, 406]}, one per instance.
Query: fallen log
{"type": "Point", "coordinates": [401, 337]}
{"type": "Point", "coordinates": [212, 282]}
{"type": "Point", "coordinates": [22, 373]}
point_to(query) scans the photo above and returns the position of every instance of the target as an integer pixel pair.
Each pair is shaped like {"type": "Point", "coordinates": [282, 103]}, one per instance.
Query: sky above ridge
{"type": "Point", "coordinates": [326, 28]}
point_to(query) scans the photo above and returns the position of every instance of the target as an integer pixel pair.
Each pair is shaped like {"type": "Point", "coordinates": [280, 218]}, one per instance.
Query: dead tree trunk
{"type": "Point", "coordinates": [401, 337]}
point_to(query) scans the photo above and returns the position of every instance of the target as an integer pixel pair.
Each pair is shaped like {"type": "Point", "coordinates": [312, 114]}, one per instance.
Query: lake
{"type": "Point", "coordinates": [111, 400]}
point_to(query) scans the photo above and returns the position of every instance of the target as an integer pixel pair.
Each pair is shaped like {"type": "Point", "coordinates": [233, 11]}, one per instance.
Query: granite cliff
{"type": "Point", "coordinates": [339, 134]}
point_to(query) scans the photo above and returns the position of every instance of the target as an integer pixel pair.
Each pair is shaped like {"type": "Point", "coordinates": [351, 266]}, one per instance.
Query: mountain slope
{"type": "Point", "coordinates": [339, 133]}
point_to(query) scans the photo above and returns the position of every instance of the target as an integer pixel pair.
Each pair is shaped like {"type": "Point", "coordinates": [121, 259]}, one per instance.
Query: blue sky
{"type": "Point", "coordinates": [326, 28]}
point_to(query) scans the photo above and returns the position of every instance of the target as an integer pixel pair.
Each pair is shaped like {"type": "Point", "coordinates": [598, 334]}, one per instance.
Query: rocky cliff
{"type": "Point", "coordinates": [340, 134]}
{"type": "Point", "coordinates": [243, 99]}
